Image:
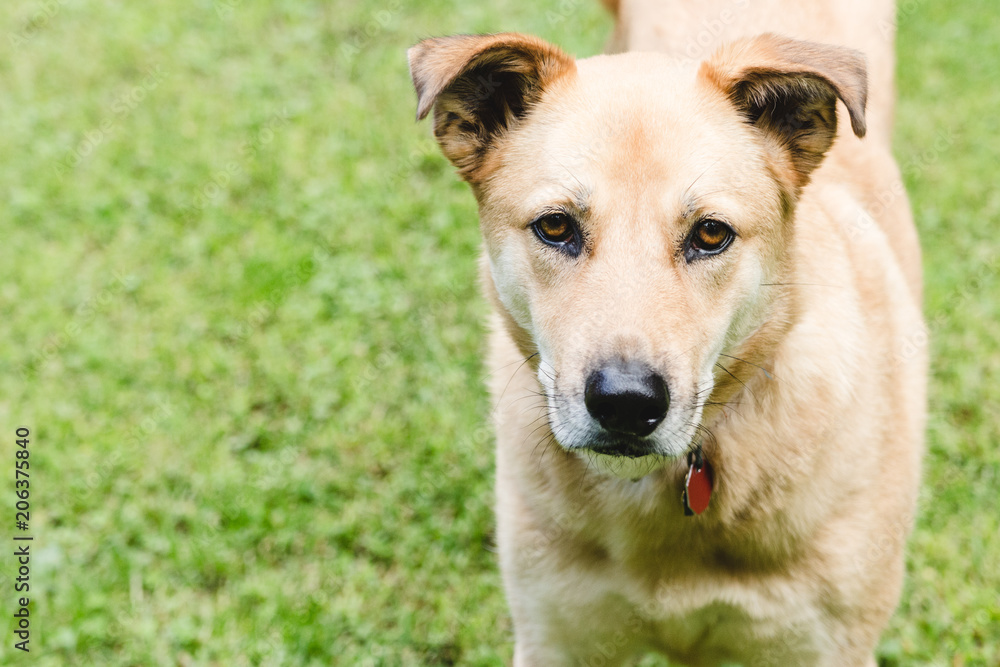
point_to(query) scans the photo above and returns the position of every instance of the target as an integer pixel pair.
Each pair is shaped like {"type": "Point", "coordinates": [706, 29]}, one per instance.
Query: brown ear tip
{"type": "Point", "coordinates": [858, 121]}
{"type": "Point", "coordinates": [424, 105]}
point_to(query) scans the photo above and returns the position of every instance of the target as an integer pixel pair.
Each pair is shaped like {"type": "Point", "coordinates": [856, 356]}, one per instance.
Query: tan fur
{"type": "Point", "coordinates": [794, 357]}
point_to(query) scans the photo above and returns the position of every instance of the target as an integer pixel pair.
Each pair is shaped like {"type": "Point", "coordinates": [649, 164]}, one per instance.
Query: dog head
{"type": "Point", "coordinates": [637, 215]}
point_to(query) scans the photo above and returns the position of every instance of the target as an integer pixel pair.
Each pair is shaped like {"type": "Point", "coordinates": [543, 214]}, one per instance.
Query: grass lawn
{"type": "Point", "coordinates": [241, 320]}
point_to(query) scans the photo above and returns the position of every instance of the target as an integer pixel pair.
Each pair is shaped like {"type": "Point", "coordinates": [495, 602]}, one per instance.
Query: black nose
{"type": "Point", "coordinates": [627, 398]}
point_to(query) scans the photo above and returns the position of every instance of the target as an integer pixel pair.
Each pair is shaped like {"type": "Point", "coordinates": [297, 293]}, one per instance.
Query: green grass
{"type": "Point", "coordinates": [242, 322]}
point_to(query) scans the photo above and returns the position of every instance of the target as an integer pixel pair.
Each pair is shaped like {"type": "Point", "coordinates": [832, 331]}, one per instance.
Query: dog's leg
{"type": "Point", "coordinates": [560, 632]}
{"type": "Point", "coordinates": [855, 656]}
{"type": "Point", "coordinates": [527, 656]}
{"type": "Point", "coordinates": [868, 661]}
{"type": "Point", "coordinates": [554, 640]}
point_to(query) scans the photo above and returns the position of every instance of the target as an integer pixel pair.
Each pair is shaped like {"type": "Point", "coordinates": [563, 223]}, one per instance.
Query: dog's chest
{"type": "Point", "coordinates": [711, 618]}
{"type": "Point", "coordinates": [704, 609]}
{"type": "Point", "coordinates": [720, 633]}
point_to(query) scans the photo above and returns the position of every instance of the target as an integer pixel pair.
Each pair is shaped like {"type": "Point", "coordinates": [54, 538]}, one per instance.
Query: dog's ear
{"type": "Point", "coordinates": [789, 89]}
{"type": "Point", "coordinates": [479, 86]}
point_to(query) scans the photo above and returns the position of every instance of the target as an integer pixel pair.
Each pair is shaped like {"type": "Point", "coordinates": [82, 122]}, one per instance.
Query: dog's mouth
{"type": "Point", "coordinates": [624, 458]}
{"type": "Point", "coordinates": [624, 447]}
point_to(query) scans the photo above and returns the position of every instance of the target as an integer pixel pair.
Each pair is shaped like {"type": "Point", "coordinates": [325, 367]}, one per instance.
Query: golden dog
{"type": "Point", "coordinates": [709, 286]}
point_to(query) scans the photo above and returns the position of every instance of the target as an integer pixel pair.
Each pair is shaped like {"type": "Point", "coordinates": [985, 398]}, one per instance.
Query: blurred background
{"type": "Point", "coordinates": [241, 318]}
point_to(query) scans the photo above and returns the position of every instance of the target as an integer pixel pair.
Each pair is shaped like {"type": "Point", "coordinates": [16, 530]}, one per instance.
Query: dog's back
{"type": "Point", "coordinates": [693, 29]}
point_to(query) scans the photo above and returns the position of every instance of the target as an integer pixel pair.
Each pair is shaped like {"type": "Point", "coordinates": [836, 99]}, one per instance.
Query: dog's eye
{"type": "Point", "coordinates": [709, 237]}
{"type": "Point", "coordinates": [554, 228]}
{"type": "Point", "coordinates": [558, 229]}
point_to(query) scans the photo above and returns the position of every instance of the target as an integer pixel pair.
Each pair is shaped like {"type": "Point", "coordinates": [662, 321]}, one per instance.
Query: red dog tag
{"type": "Point", "coordinates": [697, 487]}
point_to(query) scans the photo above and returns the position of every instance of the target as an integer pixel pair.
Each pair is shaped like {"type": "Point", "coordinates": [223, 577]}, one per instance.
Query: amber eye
{"type": "Point", "coordinates": [709, 237]}
{"type": "Point", "coordinates": [558, 229]}
{"type": "Point", "coordinates": [555, 228]}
